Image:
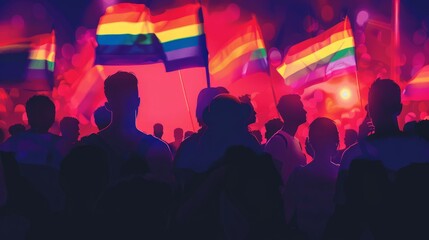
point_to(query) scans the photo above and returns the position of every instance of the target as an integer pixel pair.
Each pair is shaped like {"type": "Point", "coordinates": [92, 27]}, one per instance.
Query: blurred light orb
{"type": "Point", "coordinates": [362, 17]}
{"type": "Point", "coordinates": [345, 94]}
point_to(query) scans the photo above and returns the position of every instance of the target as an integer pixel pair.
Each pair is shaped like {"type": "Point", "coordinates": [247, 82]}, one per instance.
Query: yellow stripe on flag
{"type": "Point", "coordinates": [125, 28]}
{"type": "Point", "coordinates": [180, 33]}
{"type": "Point", "coordinates": [287, 70]}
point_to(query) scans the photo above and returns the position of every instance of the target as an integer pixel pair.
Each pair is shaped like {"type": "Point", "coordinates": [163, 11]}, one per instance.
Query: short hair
{"type": "Point", "coordinates": [120, 85]}
{"type": "Point", "coordinates": [68, 121]}
{"type": "Point", "coordinates": [178, 131]}
{"type": "Point", "coordinates": [287, 103]}
{"type": "Point", "coordinates": [16, 129]}
{"type": "Point", "coordinates": [40, 111]}
{"type": "Point", "coordinates": [323, 129]}
{"type": "Point", "coordinates": [102, 117]}
{"type": "Point", "coordinates": [351, 133]}
{"type": "Point", "coordinates": [385, 94]}
{"type": "Point", "coordinates": [158, 126]}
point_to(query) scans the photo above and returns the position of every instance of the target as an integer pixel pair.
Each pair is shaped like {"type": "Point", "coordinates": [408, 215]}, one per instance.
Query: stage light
{"type": "Point", "coordinates": [362, 18]}
{"type": "Point", "coordinates": [345, 94]}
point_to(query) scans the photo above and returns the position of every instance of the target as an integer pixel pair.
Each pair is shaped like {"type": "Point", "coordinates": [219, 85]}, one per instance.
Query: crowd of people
{"type": "Point", "coordinates": [219, 182]}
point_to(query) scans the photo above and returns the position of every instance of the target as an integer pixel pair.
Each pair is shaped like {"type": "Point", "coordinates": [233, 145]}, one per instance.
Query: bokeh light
{"type": "Point", "coordinates": [362, 17]}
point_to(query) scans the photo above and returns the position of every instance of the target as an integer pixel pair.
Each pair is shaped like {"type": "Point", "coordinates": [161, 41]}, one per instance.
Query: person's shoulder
{"type": "Point", "coordinates": [351, 153]}
{"type": "Point", "coordinates": [276, 140]}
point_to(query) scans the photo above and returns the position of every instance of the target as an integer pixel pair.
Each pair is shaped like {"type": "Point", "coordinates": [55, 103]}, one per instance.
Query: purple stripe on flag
{"type": "Point", "coordinates": [183, 53]}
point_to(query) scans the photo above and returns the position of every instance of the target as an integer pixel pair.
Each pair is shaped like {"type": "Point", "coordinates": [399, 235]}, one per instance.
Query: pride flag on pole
{"type": "Point", "coordinates": [418, 88]}
{"type": "Point", "coordinates": [40, 74]}
{"type": "Point", "coordinates": [181, 33]}
{"type": "Point", "coordinates": [126, 36]}
{"type": "Point", "coordinates": [29, 62]}
{"type": "Point", "coordinates": [243, 55]}
{"type": "Point", "coordinates": [329, 55]}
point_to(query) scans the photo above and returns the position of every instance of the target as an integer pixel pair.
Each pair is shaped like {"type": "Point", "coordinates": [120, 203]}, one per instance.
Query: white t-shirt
{"type": "Point", "coordinates": [286, 152]}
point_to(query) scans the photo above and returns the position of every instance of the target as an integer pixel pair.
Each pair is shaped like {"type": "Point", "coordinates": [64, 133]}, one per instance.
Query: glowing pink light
{"type": "Point", "coordinates": [362, 18]}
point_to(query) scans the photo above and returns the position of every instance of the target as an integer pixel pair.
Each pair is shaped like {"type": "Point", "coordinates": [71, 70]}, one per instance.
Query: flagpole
{"type": "Point", "coordinates": [186, 100]}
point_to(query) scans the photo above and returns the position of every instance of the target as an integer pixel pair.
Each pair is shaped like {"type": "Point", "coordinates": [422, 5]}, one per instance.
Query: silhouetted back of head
{"type": "Point", "coordinates": [291, 109]}
{"type": "Point", "coordinates": [40, 112]}
{"type": "Point", "coordinates": [178, 134]}
{"type": "Point", "coordinates": [102, 117]}
{"type": "Point", "coordinates": [188, 134]}
{"type": "Point", "coordinates": [84, 170]}
{"type": "Point", "coordinates": [205, 96]}
{"type": "Point", "coordinates": [225, 111]}
{"type": "Point", "coordinates": [423, 129]}
{"type": "Point", "coordinates": [122, 92]}
{"type": "Point", "coordinates": [69, 127]}
{"type": "Point", "coordinates": [410, 127]}
{"type": "Point", "coordinates": [158, 130]}
{"type": "Point", "coordinates": [16, 129]}
{"type": "Point", "coordinates": [272, 126]}
{"type": "Point", "coordinates": [351, 136]}
{"type": "Point", "coordinates": [323, 135]}
{"type": "Point", "coordinates": [384, 101]}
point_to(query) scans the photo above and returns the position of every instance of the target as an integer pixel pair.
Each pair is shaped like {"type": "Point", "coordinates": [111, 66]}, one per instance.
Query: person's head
{"type": "Point", "coordinates": [225, 111]}
{"type": "Point", "coordinates": [384, 102]}
{"type": "Point", "coordinates": [410, 128]}
{"type": "Point", "coordinates": [102, 117]}
{"type": "Point", "coordinates": [292, 110]}
{"type": "Point", "coordinates": [258, 135]}
{"type": "Point", "coordinates": [248, 109]}
{"type": "Point", "coordinates": [40, 112]}
{"type": "Point", "coordinates": [178, 134]}
{"type": "Point", "coordinates": [272, 126]}
{"type": "Point", "coordinates": [158, 130]}
{"type": "Point", "coordinates": [351, 137]}
{"type": "Point", "coordinates": [69, 127]}
{"type": "Point", "coordinates": [323, 136]}
{"type": "Point", "coordinates": [122, 94]}
{"type": "Point", "coordinates": [16, 129]}
{"type": "Point", "coordinates": [205, 96]}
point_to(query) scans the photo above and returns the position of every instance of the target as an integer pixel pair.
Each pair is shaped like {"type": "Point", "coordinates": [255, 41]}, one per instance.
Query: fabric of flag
{"type": "Point", "coordinates": [418, 88]}
{"type": "Point", "coordinates": [40, 73]}
{"type": "Point", "coordinates": [326, 56]}
{"type": "Point", "coordinates": [29, 63]}
{"type": "Point", "coordinates": [125, 36]}
{"type": "Point", "coordinates": [87, 96]}
{"type": "Point", "coordinates": [181, 33]}
{"type": "Point", "coordinates": [243, 55]}
{"type": "Point", "coordinates": [13, 63]}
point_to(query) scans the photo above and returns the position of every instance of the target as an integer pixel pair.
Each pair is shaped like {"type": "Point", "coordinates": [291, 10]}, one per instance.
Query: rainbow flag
{"type": "Point", "coordinates": [329, 55]}
{"type": "Point", "coordinates": [418, 88]}
{"type": "Point", "coordinates": [243, 55]}
{"type": "Point", "coordinates": [126, 36]}
{"type": "Point", "coordinates": [181, 33]}
{"type": "Point", "coordinates": [40, 74]}
{"type": "Point", "coordinates": [29, 62]}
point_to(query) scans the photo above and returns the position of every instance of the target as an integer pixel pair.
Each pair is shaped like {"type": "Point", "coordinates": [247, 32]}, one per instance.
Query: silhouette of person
{"type": "Point", "coordinates": [258, 135]}
{"type": "Point", "coordinates": [83, 177]}
{"type": "Point", "coordinates": [350, 138]}
{"type": "Point", "coordinates": [310, 189]}
{"type": "Point", "coordinates": [186, 154]}
{"type": "Point", "coordinates": [283, 146]}
{"type": "Point", "coordinates": [36, 145]}
{"type": "Point", "coordinates": [272, 126]}
{"type": "Point", "coordinates": [122, 140]}
{"type": "Point", "coordinates": [16, 129]}
{"type": "Point", "coordinates": [188, 134]}
{"type": "Point", "coordinates": [249, 110]}
{"type": "Point", "coordinates": [178, 138]}
{"type": "Point", "coordinates": [102, 117]}
{"type": "Point", "coordinates": [410, 128]}
{"type": "Point", "coordinates": [69, 127]}
{"type": "Point", "coordinates": [388, 144]}
{"type": "Point", "coordinates": [423, 129]}
{"type": "Point", "coordinates": [158, 130]}
{"type": "Point", "coordinates": [226, 126]}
